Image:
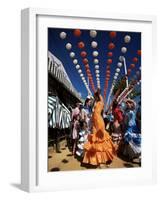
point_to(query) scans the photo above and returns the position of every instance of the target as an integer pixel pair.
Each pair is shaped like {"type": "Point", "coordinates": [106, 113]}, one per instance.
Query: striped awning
{"type": "Point", "coordinates": [57, 70]}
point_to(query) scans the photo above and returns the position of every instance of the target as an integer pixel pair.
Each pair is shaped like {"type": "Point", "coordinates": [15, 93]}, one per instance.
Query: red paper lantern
{"type": "Point", "coordinates": [112, 34]}
{"type": "Point", "coordinates": [81, 45]}
{"type": "Point", "coordinates": [139, 52]}
{"type": "Point", "coordinates": [110, 54]}
{"type": "Point", "coordinates": [135, 59]}
{"type": "Point", "coordinates": [86, 66]}
{"type": "Point", "coordinates": [111, 46]}
{"type": "Point", "coordinates": [85, 61]}
{"type": "Point", "coordinates": [132, 65]}
{"type": "Point", "coordinates": [108, 72]}
{"type": "Point", "coordinates": [109, 61]}
{"type": "Point", "coordinates": [88, 71]}
{"type": "Point", "coordinates": [108, 67]}
{"type": "Point", "coordinates": [77, 32]}
{"type": "Point", "coordinates": [90, 75]}
{"type": "Point", "coordinates": [128, 72]}
{"type": "Point", "coordinates": [83, 54]}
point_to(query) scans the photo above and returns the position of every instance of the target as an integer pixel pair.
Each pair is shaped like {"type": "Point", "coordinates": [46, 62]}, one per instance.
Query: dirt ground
{"type": "Point", "coordinates": [65, 161]}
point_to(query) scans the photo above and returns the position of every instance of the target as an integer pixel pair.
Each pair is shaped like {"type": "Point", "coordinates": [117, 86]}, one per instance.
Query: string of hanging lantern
{"type": "Point", "coordinates": [134, 62]}
{"type": "Point", "coordinates": [72, 55]}
{"type": "Point", "coordinates": [132, 66]}
{"type": "Point", "coordinates": [111, 46]}
{"type": "Point", "coordinates": [95, 53]}
{"type": "Point", "coordinates": [83, 54]}
{"type": "Point", "coordinates": [121, 62]}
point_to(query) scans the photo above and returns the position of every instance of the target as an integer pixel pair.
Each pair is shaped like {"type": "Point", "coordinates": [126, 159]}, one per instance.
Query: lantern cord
{"type": "Point", "coordinates": [125, 69]}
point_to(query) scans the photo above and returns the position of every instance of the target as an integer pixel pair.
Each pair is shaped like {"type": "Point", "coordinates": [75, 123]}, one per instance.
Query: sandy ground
{"type": "Point", "coordinates": [64, 161]}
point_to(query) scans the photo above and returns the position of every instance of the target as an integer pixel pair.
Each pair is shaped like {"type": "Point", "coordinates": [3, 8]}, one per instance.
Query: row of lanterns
{"type": "Point", "coordinates": [81, 46]}
{"type": "Point", "coordinates": [127, 40]}
{"type": "Point", "coordinates": [133, 64]}
{"type": "Point", "coordinates": [95, 53]}
{"type": "Point", "coordinates": [77, 66]}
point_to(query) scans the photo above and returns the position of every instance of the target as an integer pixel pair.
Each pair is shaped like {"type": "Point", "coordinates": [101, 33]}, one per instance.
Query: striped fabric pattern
{"type": "Point", "coordinates": [57, 70]}
{"type": "Point", "coordinates": [58, 114]}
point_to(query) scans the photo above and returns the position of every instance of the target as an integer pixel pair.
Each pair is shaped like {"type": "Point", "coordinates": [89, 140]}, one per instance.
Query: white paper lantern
{"type": "Point", "coordinates": [97, 75]}
{"type": "Point", "coordinates": [77, 66]}
{"type": "Point", "coordinates": [72, 54]}
{"type": "Point", "coordinates": [123, 49]}
{"type": "Point", "coordinates": [94, 44]}
{"type": "Point", "coordinates": [97, 71]}
{"type": "Point", "coordinates": [121, 58]}
{"type": "Point", "coordinates": [119, 64]}
{"type": "Point", "coordinates": [83, 78]}
{"type": "Point", "coordinates": [97, 79]}
{"type": "Point", "coordinates": [96, 66]}
{"type": "Point", "coordinates": [93, 33]}
{"type": "Point", "coordinates": [81, 75]}
{"type": "Point", "coordinates": [118, 70]}
{"type": "Point", "coordinates": [75, 61]}
{"type": "Point", "coordinates": [63, 35]}
{"type": "Point", "coordinates": [127, 39]}
{"type": "Point", "coordinates": [115, 77]}
{"type": "Point", "coordinates": [95, 53]}
{"type": "Point", "coordinates": [79, 71]}
{"type": "Point", "coordinates": [96, 61]}
{"type": "Point", "coordinates": [68, 46]}
{"type": "Point", "coordinates": [116, 74]}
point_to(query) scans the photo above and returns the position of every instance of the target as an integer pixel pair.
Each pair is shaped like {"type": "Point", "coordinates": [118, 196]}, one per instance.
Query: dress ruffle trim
{"type": "Point", "coordinates": [99, 151]}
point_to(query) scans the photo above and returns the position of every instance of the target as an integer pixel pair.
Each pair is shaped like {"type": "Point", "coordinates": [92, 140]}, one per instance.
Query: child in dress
{"type": "Point", "coordinates": [75, 132]}
{"type": "Point", "coordinates": [83, 135]}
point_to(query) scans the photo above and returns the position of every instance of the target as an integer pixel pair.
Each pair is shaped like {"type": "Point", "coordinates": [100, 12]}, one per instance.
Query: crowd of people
{"type": "Point", "coordinates": [98, 135]}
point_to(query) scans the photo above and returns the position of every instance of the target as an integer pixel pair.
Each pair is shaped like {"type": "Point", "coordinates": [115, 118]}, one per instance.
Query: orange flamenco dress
{"type": "Point", "coordinates": [99, 149]}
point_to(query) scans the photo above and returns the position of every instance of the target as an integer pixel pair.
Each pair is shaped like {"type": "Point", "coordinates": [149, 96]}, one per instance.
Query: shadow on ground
{"type": "Point", "coordinates": [55, 169]}
{"type": "Point", "coordinates": [65, 161]}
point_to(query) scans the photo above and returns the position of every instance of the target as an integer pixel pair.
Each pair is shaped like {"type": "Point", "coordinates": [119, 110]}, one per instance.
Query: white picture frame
{"type": "Point", "coordinates": [34, 176]}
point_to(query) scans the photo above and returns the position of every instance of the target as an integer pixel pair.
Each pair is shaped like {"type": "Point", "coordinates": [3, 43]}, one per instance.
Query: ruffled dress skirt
{"type": "Point", "coordinates": [132, 141]}
{"type": "Point", "coordinates": [98, 150]}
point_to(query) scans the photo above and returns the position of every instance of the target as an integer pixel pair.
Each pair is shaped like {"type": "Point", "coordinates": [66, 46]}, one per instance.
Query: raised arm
{"type": "Point", "coordinates": [101, 98]}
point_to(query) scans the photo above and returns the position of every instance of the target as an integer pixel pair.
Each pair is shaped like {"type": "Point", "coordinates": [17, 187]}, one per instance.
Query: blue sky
{"type": "Point", "coordinates": [57, 46]}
